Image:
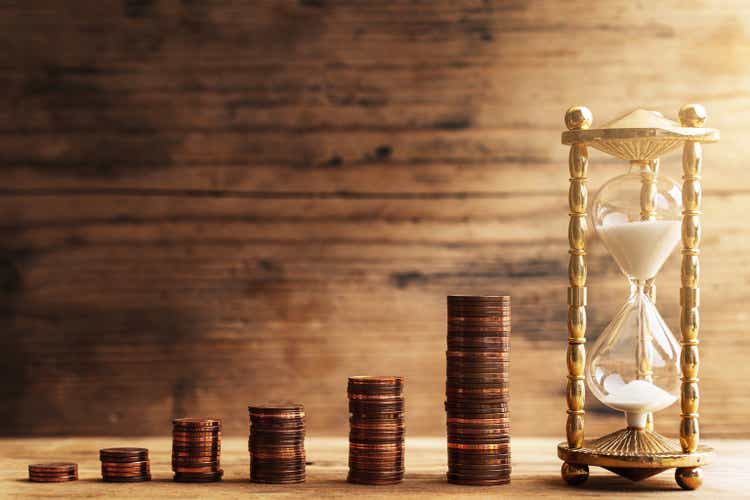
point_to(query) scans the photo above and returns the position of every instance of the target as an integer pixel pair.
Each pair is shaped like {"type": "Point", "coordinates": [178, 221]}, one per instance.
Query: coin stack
{"type": "Point", "coordinates": [125, 465]}
{"type": "Point", "coordinates": [376, 436]}
{"type": "Point", "coordinates": [196, 450]}
{"type": "Point", "coordinates": [277, 443]}
{"type": "Point", "coordinates": [477, 390]}
{"type": "Point", "coordinates": [55, 472]}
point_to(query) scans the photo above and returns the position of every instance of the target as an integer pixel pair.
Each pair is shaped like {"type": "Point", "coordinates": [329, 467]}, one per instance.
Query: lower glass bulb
{"type": "Point", "coordinates": [634, 364]}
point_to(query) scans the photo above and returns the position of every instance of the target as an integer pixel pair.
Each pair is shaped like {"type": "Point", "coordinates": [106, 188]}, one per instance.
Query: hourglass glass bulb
{"type": "Point", "coordinates": [634, 364]}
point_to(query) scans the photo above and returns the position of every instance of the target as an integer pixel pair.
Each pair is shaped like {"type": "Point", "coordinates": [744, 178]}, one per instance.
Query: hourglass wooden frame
{"type": "Point", "coordinates": [636, 453]}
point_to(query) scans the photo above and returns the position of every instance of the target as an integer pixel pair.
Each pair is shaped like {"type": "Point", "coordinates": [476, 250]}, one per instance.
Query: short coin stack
{"type": "Point", "coordinates": [196, 450]}
{"type": "Point", "coordinates": [54, 472]}
{"type": "Point", "coordinates": [277, 443]}
{"type": "Point", "coordinates": [477, 390]}
{"type": "Point", "coordinates": [376, 436]}
{"type": "Point", "coordinates": [125, 465]}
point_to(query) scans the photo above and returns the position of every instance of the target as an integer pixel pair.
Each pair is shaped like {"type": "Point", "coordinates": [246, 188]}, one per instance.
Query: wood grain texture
{"type": "Point", "coordinates": [536, 473]}
{"type": "Point", "coordinates": [206, 204]}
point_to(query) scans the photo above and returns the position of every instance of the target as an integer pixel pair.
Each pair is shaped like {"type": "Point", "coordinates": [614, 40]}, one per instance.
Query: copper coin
{"type": "Point", "coordinates": [459, 462]}
{"type": "Point", "coordinates": [53, 466]}
{"type": "Point", "coordinates": [123, 460]}
{"type": "Point", "coordinates": [381, 465]}
{"type": "Point", "coordinates": [43, 475]}
{"type": "Point", "coordinates": [374, 391]}
{"type": "Point", "coordinates": [489, 447]}
{"type": "Point", "coordinates": [479, 329]}
{"type": "Point", "coordinates": [471, 481]}
{"type": "Point", "coordinates": [377, 455]}
{"type": "Point", "coordinates": [59, 479]}
{"type": "Point", "coordinates": [198, 477]}
{"type": "Point", "coordinates": [126, 474]}
{"type": "Point", "coordinates": [476, 421]}
{"type": "Point", "coordinates": [196, 433]}
{"type": "Point", "coordinates": [483, 320]}
{"type": "Point", "coordinates": [477, 385]}
{"type": "Point", "coordinates": [272, 424]}
{"type": "Point", "coordinates": [376, 474]}
{"type": "Point", "coordinates": [281, 462]}
{"type": "Point", "coordinates": [396, 418]}
{"type": "Point", "coordinates": [497, 430]}
{"type": "Point", "coordinates": [196, 441]}
{"type": "Point", "coordinates": [495, 310]}
{"type": "Point", "coordinates": [193, 470]}
{"type": "Point", "coordinates": [377, 426]}
{"type": "Point", "coordinates": [278, 410]}
{"type": "Point", "coordinates": [278, 468]}
{"type": "Point", "coordinates": [264, 437]}
{"type": "Point", "coordinates": [498, 347]}
{"type": "Point", "coordinates": [197, 448]}
{"type": "Point", "coordinates": [377, 380]}
{"type": "Point", "coordinates": [134, 479]}
{"type": "Point", "coordinates": [276, 478]}
{"type": "Point", "coordinates": [214, 457]}
{"type": "Point", "coordinates": [123, 451]}
{"type": "Point", "coordinates": [377, 397]}
{"type": "Point", "coordinates": [486, 371]}
{"type": "Point", "coordinates": [197, 461]}
{"type": "Point", "coordinates": [195, 452]}
{"type": "Point", "coordinates": [478, 355]}
{"type": "Point", "coordinates": [481, 475]}
{"type": "Point", "coordinates": [478, 298]}
{"type": "Point", "coordinates": [497, 375]}
{"type": "Point", "coordinates": [276, 456]}
{"type": "Point", "coordinates": [479, 340]}
{"type": "Point", "coordinates": [200, 422]}
{"type": "Point", "coordinates": [125, 465]}
{"type": "Point", "coordinates": [477, 410]}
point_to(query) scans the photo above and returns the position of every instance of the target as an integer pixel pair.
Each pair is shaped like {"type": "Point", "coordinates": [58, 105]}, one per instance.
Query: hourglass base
{"type": "Point", "coordinates": [635, 454]}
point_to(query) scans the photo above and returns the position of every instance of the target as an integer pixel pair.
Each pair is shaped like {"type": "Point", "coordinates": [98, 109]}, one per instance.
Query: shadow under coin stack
{"type": "Point", "coordinates": [54, 472]}
{"type": "Point", "coordinates": [277, 443]}
{"type": "Point", "coordinates": [125, 465]}
{"type": "Point", "coordinates": [477, 390]}
{"type": "Point", "coordinates": [196, 450]}
{"type": "Point", "coordinates": [376, 436]}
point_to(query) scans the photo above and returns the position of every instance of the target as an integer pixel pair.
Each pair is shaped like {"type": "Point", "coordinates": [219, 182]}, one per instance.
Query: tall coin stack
{"type": "Point", "coordinates": [277, 443]}
{"type": "Point", "coordinates": [196, 450]}
{"type": "Point", "coordinates": [125, 465]}
{"type": "Point", "coordinates": [477, 390]}
{"type": "Point", "coordinates": [376, 437]}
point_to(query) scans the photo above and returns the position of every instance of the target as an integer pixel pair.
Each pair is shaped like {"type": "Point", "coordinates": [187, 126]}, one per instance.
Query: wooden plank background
{"type": "Point", "coordinates": [210, 203]}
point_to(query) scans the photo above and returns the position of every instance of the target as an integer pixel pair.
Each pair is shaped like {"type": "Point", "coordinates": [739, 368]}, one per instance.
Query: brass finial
{"type": "Point", "coordinates": [693, 115]}
{"type": "Point", "coordinates": [578, 118]}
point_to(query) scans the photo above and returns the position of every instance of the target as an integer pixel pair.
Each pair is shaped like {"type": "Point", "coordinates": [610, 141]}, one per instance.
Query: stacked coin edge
{"type": "Point", "coordinates": [53, 472]}
{"type": "Point", "coordinates": [124, 465]}
{"type": "Point", "coordinates": [196, 450]}
{"type": "Point", "coordinates": [376, 436]}
{"type": "Point", "coordinates": [477, 390]}
{"type": "Point", "coordinates": [277, 443]}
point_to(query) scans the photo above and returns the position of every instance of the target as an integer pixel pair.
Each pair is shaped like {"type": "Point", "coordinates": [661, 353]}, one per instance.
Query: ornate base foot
{"type": "Point", "coordinates": [574, 474]}
{"type": "Point", "coordinates": [689, 478]}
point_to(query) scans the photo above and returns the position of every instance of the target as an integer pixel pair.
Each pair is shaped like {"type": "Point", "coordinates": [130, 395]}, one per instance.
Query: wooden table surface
{"type": "Point", "coordinates": [535, 472]}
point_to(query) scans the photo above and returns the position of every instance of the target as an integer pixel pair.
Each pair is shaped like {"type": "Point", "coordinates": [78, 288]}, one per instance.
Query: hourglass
{"type": "Point", "coordinates": [636, 365]}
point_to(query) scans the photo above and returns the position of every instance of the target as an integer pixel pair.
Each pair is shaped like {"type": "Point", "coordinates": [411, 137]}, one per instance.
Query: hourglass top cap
{"type": "Point", "coordinates": [640, 135]}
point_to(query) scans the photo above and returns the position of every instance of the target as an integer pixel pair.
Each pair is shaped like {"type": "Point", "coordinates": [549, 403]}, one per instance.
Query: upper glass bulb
{"type": "Point", "coordinates": [639, 240]}
{"type": "Point", "coordinates": [634, 364]}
